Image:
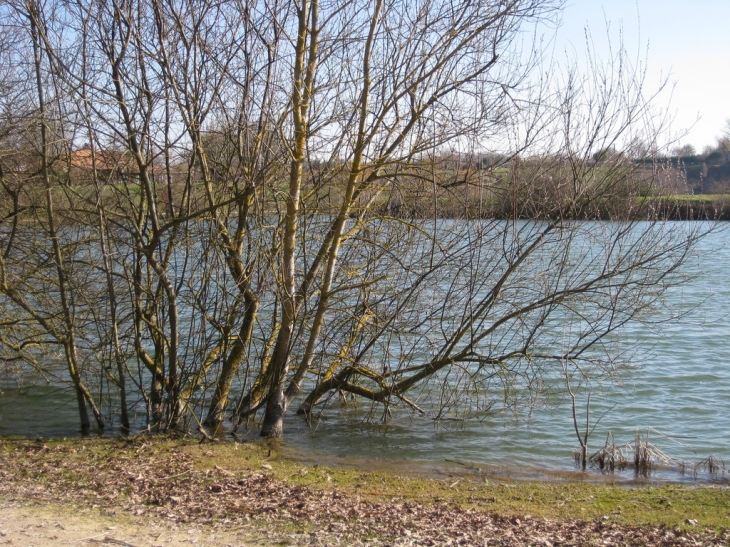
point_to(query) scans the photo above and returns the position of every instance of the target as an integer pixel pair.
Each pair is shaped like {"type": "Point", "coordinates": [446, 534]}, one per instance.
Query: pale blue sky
{"type": "Point", "coordinates": [687, 40]}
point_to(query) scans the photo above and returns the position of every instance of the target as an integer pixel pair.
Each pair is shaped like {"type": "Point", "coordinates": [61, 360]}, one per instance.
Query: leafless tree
{"type": "Point", "coordinates": [257, 213]}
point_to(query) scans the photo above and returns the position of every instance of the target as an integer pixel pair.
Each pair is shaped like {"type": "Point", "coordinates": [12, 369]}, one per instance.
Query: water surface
{"type": "Point", "coordinates": [679, 396]}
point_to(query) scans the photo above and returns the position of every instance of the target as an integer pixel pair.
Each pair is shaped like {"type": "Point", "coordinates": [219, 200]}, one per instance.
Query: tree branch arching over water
{"type": "Point", "coordinates": [217, 209]}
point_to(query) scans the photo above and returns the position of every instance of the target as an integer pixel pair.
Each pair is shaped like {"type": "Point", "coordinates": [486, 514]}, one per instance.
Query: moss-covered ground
{"type": "Point", "coordinates": [220, 482]}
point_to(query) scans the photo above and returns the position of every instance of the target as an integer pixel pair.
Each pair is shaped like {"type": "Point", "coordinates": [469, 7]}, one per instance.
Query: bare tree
{"type": "Point", "coordinates": [257, 214]}
{"type": "Point", "coordinates": [38, 282]}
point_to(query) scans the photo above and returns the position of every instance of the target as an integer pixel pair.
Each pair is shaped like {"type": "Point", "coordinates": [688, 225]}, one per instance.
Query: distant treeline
{"type": "Point", "coordinates": [670, 207]}
{"type": "Point", "coordinates": [609, 188]}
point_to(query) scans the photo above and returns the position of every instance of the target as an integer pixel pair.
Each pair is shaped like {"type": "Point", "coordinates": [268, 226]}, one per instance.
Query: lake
{"type": "Point", "coordinates": [679, 397]}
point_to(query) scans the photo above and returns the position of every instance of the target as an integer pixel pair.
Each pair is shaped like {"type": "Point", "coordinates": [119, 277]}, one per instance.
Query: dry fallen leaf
{"type": "Point", "coordinates": [174, 489]}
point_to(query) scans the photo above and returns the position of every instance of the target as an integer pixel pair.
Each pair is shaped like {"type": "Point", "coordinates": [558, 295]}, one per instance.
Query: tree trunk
{"type": "Point", "coordinates": [219, 402]}
{"type": "Point", "coordinates": [83, 413]}
{"type": "Point", "coordinates": [273, 425]}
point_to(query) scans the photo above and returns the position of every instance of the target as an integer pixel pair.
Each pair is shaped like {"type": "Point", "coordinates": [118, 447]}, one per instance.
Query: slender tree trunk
{"type": "Point", "coordinates": [304, 72]}
{"type": "Point", "coordinates": [219, 402]}
{"type": "Point", "coordinates": [82, 394]}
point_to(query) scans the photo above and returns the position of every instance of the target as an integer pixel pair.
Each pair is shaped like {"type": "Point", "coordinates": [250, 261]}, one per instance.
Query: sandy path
{"type": "Point", "coordinates": [57, 525]}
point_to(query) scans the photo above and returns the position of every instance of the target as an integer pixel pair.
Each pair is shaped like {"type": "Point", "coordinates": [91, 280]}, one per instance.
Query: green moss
{"type": "Point", "coordinates": [665, 505]}
{"type": "Point", "coordinates": [669, 505]}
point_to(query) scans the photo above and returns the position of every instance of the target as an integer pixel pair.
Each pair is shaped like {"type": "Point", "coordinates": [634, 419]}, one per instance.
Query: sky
{"type": "Point", "coordinates": [687, 41]}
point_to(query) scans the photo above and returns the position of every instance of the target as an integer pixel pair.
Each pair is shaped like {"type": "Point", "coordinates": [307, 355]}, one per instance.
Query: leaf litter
{"type": "Point", "coordinates": [143, 482]}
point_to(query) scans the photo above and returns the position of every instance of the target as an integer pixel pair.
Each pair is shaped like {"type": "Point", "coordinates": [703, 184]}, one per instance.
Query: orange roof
{"type": "Point", "coordinates": [106, 160]}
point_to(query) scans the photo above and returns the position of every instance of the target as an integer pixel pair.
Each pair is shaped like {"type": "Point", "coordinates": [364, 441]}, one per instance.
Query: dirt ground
{"type": "Point", "coordinates": [143, 492]}
{"type": "Point", "coordinates": [33, 525]}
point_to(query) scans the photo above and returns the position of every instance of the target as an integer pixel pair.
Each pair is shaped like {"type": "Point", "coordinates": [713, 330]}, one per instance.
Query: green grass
{"type": "Point", "coordinates": [669, 505]}
{"type": "Point", "coordinates": [698, 198]}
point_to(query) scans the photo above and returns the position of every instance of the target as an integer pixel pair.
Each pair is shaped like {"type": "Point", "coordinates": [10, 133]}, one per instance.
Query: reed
{"type": "Point", "coordinates": [610, 456]}
{"type": "Point", "coordinates": [647, 456]}
{"type": "Point", "coordinates": [710, 465]}
{"type": "Point", "coordinates": [643, 457]}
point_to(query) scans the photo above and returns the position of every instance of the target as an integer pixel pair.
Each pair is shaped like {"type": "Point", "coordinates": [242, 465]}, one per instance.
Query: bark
{"type": "Point", "coordinates": [219, 402]}
{"type": "Point", "coordinates": [273, 424]}
{"type": "Point", "coordinates": [304, 74]}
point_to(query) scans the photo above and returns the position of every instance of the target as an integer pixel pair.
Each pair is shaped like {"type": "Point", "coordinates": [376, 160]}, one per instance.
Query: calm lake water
{"type": "Point", "coordinates": [680, 396]}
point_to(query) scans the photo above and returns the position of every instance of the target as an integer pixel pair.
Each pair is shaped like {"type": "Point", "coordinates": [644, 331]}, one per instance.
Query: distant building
{"type": "Point", "coordinates": [111, 166]}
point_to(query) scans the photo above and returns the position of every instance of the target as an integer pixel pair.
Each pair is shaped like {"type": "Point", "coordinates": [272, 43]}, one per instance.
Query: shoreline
{"type": "Point", "coordinates": [476, 471]}
{"type": "Point", "coordinates": [431, 469]}
{"type": "Point", "coordinates": [224, 488]}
